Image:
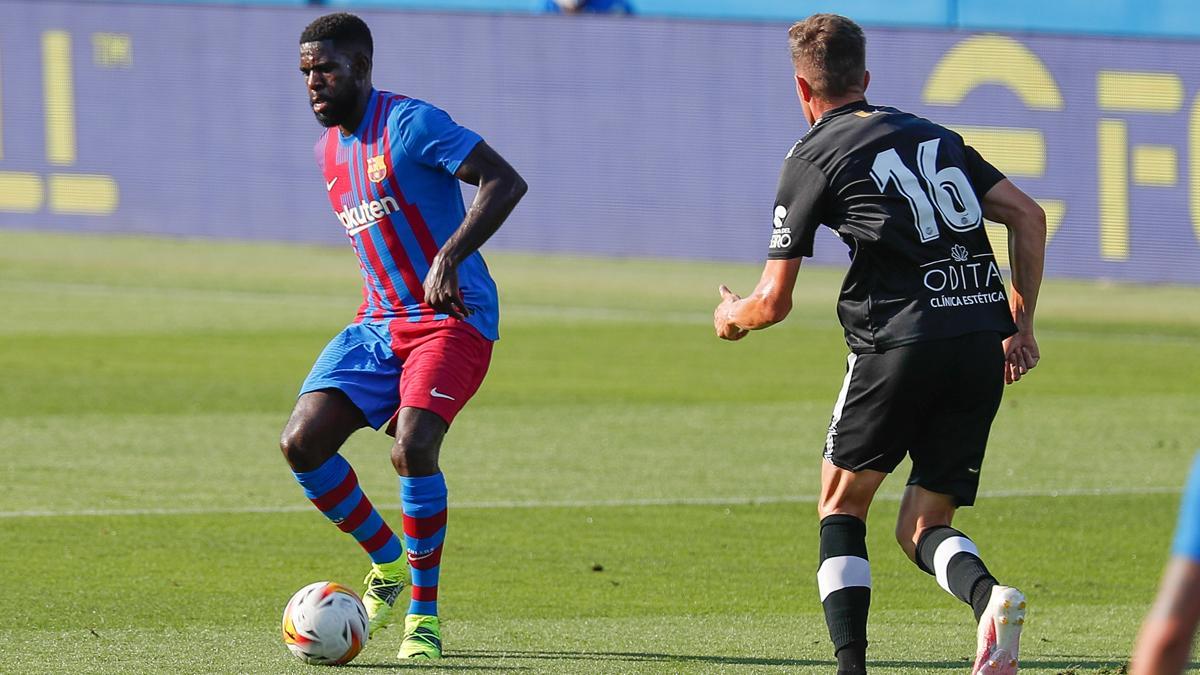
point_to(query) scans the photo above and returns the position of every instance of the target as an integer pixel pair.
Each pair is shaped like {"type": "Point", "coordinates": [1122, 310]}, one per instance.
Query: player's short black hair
{"type": "Point", "coordinates": [343, 29]}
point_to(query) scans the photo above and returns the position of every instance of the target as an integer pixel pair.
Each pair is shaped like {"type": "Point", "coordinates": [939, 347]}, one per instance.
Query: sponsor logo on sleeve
{"type": "Point", "coordinates": [781, 237]}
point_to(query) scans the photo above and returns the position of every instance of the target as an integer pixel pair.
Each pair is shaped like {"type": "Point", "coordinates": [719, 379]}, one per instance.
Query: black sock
{"type": "Point", "coordinates": [852, 659]}
{"type": "Point", "coordinates": [844, 581]}
{"type": "Point", "coordinates": [962, 573]}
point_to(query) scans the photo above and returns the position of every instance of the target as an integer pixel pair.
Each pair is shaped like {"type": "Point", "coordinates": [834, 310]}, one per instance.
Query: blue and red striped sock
{"type": "Point", "coordinates": [424, 502]}
{"type": "Point", "coordinates": [333, 488]}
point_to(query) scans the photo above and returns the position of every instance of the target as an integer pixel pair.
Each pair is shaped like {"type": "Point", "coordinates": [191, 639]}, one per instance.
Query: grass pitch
{"type": "Point", "coordinates": [628, 493]}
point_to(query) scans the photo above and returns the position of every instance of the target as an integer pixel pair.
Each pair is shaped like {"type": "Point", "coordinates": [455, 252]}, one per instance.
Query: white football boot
{"type": "Point", "coordinates": [999, 633]}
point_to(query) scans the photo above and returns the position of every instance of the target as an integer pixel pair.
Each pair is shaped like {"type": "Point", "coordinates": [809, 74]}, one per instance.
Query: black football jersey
{"type": "Point", "coordinates": [905, 195]}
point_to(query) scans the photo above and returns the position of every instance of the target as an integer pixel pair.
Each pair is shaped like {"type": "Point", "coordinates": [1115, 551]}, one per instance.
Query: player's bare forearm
{"type": "Point", "coordinates": [769, 304]}
{"type": "Point", "coordinates": [1026, 222]}
{"type": "Point", "coordinates": [500, 188]}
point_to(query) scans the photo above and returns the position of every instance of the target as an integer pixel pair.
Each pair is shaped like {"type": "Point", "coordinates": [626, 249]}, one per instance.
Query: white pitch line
{"type": "Point", "coordinates": [535, 311]}
{"type": "Point", "coordinates": [582, 503]}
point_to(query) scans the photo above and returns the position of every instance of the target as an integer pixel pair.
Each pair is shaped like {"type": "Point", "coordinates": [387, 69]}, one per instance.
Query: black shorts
{"type": "Point", "coordinates": [932, 400]}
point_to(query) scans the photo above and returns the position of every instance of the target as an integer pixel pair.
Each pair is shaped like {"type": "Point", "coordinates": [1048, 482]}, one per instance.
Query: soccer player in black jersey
{"type": "Point", "coordinates": [933, 335]}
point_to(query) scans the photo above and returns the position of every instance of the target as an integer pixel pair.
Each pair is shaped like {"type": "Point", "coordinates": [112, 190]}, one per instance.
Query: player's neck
{"type": "Point", "coordinates": [360, 110]}
{"type": "Point", "coordinates": [820, 106]}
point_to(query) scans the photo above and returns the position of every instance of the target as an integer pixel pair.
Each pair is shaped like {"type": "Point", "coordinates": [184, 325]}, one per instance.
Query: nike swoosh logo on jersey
{"type": "Point", "coordinates": [437, 394]}
{"type": "Point", "coordinates": [329, 185]}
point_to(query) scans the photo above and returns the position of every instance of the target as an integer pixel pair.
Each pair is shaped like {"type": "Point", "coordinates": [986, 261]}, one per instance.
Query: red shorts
{"type": "Point", "coordinates": [444, 364]}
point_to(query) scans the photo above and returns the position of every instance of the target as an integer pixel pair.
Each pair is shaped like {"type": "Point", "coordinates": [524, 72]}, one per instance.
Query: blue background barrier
{"type": "Point", "coordinates": [638, 137]}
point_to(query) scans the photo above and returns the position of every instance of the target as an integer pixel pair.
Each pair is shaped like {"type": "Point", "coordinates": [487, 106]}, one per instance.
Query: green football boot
{"type": "Point", "coordinates": [383, 587]}
{"type": "Point", "coordinates": [422, 637]}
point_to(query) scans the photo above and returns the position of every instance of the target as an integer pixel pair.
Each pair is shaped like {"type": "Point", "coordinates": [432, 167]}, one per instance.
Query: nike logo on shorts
{"type": "Point", "coordinates": [437, 394]}
{"type": "Point", "coordinates": [973, 470]}
{"type": "Point", "coordinates": [329, 185]}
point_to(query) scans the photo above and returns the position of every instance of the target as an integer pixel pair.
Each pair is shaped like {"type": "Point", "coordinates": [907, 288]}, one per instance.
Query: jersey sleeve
{"type": "Point", "coordinates": [799, 208]}
{"type": "Point", "coordinates": [980, 172]}
{"type": "Point", "coordinates": [430, 137]}
{"type": "Point", "coordinates": [1187, 531]}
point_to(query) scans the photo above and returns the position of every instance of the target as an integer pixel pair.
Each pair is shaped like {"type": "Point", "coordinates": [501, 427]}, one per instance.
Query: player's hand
{"type": "Point", "coordinates": [726, 329]}
{"type": "Point", "coordinates": [1021, 355]}
{"type": "Point", "coordinates": [441, 289]}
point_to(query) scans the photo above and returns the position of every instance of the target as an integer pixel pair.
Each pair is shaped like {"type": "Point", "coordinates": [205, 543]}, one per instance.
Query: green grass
{"type": "Point", "coordinates": [148, 524]}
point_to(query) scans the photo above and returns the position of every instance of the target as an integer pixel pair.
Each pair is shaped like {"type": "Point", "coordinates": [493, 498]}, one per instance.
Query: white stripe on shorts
{"type": "Point", "coordinates": [842, 571]}
{"type": "Point", "coordinates": [841, 403]}
{"type": "Point", "coordinates": [947, 550]}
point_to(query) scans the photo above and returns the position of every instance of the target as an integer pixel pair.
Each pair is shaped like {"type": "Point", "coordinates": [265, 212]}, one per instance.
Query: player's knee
{"type": "Point", "coordinates": [414, 456]}
{"type": "Point", "coordinates": [844, 507]}
{"type": "Point", "coordinates": [299, 452]}
{"type": "Point", "coordinates": [415, 453]}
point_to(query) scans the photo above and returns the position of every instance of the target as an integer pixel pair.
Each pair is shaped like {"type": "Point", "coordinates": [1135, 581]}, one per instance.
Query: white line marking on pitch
{"type": "Point", "coordinates": [582, 503]}
{"type": "Point", "coordinates": [531, 311]}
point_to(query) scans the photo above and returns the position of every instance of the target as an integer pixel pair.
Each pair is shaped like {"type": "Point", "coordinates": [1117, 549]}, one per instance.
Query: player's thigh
{"type": "Point", "coordinates": [444, 369]}
{"type": "Point", "coordinates": [872, 425]}
{"type": "Point", "coordinates": [948, 455]}
{"type": "Point", "coordinates": [323, 418]}
{"type": "Point", "coordinates": [847, 492]}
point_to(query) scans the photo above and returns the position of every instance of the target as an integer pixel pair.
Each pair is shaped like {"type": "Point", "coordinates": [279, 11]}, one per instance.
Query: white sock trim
{"type": "Point", "coordinates": [843, 571]}
{"type": "Point", "coordinates": [947, 550]}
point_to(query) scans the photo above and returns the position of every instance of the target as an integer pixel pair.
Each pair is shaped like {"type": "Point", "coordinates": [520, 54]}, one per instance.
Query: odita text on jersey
{"type": "Point", "coordinates": [961, 300]}
{"type": "Point", "coordinates": [355, 219]}
{"type": "Point", "coordinates": [965, 276]}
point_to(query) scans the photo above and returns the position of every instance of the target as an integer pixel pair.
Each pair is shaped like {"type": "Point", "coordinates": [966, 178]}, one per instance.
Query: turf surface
{"type": "Point", "coordinates": [148, 523]}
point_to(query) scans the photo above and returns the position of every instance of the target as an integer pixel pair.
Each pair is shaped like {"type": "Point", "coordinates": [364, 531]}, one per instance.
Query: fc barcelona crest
{"type": "Point", "coordinates": [376, 169]}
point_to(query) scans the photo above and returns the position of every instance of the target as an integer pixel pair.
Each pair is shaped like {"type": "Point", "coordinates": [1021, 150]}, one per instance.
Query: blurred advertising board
{"type": "Point", "coordinates": [639, 137]}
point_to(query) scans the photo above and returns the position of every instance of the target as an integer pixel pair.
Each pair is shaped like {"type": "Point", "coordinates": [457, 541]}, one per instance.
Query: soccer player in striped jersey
{"type": "Point", "coordinates": [421, 342]}
{"type": "Point", "coordinates": [933, 336]}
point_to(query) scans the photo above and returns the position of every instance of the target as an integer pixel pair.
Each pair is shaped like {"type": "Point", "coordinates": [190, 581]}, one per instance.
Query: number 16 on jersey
{"type": "Point", "coordinates": [947, 190]}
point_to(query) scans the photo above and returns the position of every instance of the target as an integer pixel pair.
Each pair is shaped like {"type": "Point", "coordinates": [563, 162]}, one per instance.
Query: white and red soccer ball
{"type": "Point", "coordinates": [325, 624]}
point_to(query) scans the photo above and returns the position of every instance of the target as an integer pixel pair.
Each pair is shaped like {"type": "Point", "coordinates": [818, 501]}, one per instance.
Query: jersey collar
{"type": "Point", "coordinates": [848, 108]}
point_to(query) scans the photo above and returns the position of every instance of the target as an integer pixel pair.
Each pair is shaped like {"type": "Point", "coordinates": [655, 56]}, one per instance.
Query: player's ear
{"type": "Point", "coordinates": [866, 79]}
{"type": "Point", "coordinates": [361, 65]}
{"type": "Point", "coordinates": [803, 88]}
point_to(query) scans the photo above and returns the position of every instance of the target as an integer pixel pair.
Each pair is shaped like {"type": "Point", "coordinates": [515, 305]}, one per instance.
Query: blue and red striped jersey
{"type": "Point", "coordinates": [392, 186]}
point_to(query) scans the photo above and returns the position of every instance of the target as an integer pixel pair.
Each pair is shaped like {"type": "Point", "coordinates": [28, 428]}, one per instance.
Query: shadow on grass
{"type": "Point", "coordinates": [445, 664]}
{"type": "Point", "coordinates": [652, 657]}
{"type": "Point", "coordinates": [1064, 664]}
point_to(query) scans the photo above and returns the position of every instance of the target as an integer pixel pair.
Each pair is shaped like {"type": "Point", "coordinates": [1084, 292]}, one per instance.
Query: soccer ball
{"type": "Point", "coordinates": [325, 624]}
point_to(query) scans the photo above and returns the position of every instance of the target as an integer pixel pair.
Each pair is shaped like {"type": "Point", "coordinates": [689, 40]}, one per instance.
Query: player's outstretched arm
{"type": "Point", "coordinates": [500, 188]}
{"type": "Point", "coordinates": [1026, 222]}
{"type": "Point", "coordinates": [1165, 642]}
{"type": "Point", "coordinates": [767, 305]}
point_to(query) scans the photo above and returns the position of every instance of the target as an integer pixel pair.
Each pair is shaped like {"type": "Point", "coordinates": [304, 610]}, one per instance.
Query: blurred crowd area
{"type": "Point", "coordinates": [1178, 18]}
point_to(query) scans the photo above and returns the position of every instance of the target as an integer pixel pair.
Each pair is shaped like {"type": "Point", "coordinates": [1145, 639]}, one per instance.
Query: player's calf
{"type": "Point", "coordinates": [844, 581]}
{"type": "Point", "coordinates": [953, 559]}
